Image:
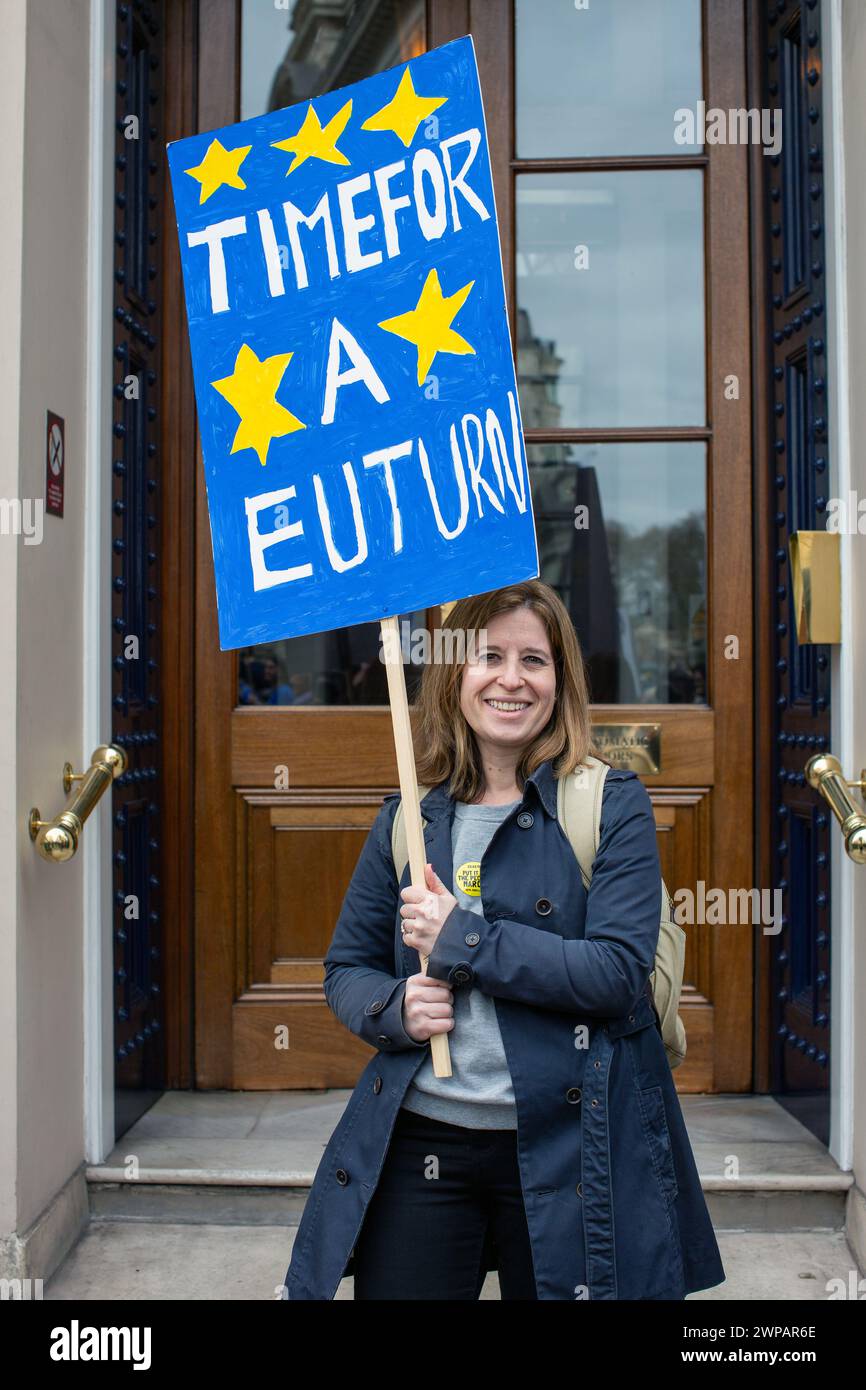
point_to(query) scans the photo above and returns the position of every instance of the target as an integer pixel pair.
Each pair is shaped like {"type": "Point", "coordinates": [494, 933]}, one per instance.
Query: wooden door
{"type": "Point", "coordinates": [291, 745]}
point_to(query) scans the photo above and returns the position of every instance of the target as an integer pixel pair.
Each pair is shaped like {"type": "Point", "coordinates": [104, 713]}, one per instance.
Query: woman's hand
{"type": "Point", "coordinates": [424, 912]}
{"type": "Point", "coordinates": [428, 1007]}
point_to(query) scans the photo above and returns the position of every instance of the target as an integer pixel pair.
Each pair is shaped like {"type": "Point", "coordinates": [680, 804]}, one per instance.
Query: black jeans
{"type": "Point", "coordinates": [441, 1188]}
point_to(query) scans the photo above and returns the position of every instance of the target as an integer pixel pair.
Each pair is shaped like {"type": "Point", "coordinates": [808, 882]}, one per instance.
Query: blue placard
{"type": "Point", "coordinates": [357, 404]}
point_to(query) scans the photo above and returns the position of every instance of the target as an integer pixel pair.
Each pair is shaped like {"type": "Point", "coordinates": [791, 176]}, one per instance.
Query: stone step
{"type": "Point", "coordinates": [248, 1158]}
{"type": "Point", "coordinates": [742, 1207]}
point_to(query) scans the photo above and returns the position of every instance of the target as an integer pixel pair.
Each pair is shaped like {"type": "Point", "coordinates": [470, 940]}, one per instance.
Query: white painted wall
{"type": "Point", "coordinates": [44, 98]}
{"type": "Point", "coordinates": [12, 55]}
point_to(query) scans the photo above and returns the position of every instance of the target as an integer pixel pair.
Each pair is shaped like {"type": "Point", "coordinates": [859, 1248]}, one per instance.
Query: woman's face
{"type": "Point", "coordinates": [508, 689]}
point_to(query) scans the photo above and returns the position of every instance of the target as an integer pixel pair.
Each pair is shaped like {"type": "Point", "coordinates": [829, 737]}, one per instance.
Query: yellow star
{"type": "Point", "coordinates": [219, 166]}
{"type": "Point", "coordinates": [428, 325]}
{"type": "Point", "coordinates": [251, 391]}
{"type": "Point", "coordinates": [404, 112]}
{"type": "Point", "coordinates": [314, 142]}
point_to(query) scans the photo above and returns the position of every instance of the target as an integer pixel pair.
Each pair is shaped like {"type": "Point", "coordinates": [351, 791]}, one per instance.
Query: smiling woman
{"type": "Point", "coordinates": [557, 1143]}
{"type": "Point", "coordinates": [507, 695]}
{"type": "Point", "coordinates": [520, 697]}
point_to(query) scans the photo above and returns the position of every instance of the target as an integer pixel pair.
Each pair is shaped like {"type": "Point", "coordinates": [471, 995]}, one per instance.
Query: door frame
{"type": "Point", "coordinates": [842, 871]}
{"type": "Point", "coordinates": [206, 744]}
{"type": "Point", "coordinates": [97, 867]}
{"type": "Point", "coordinates": [180, 473]}
{"type": "Point", "coordinates": [849, 660]}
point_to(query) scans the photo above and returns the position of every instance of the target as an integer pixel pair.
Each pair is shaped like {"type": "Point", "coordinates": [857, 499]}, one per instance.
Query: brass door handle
{"type": "Point", "coordinates": [57, 840]}
{"type": "Point", "coordinates": [824, 773]}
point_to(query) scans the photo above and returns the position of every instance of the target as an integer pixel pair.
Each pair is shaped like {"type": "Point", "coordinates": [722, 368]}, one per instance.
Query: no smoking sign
{"type": "Point", "coordinates": [54, 463]}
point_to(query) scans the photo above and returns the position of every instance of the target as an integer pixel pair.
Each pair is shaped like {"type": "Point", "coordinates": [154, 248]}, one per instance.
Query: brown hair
{"type": "Point", "coordinates": [445, 745]}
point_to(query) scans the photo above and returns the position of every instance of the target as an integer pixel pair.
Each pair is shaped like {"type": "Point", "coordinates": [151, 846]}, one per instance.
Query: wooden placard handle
{"type": "Point", "coordinates": [409, 792]}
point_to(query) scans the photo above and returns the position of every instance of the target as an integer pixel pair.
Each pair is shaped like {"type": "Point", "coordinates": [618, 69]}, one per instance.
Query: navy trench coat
{"type": "Point", "coordinates": [613, 1200]}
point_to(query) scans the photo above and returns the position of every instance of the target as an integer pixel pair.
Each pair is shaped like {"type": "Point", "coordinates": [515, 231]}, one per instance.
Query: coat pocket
{"type": "Point", "coordinates": [655, 1127]}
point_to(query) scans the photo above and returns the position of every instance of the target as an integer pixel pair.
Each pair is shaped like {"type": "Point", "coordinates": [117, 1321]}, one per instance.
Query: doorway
{"type": "Point", "coordinates": [626, 259]}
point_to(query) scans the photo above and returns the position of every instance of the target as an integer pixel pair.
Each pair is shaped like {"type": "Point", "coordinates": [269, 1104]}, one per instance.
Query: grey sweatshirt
{"type": "Point", "coordinates": [479, 1093]}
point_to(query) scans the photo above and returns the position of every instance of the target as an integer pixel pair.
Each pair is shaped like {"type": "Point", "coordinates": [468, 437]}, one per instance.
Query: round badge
{"type": "Point", "coordinates": [468, 878]}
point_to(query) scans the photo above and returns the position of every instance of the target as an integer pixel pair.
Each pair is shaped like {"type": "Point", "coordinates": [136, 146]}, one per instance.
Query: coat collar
{"type": "Point", "coordinates": [437, 802]}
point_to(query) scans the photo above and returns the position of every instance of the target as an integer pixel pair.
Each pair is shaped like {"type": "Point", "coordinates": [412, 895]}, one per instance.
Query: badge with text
{"type": "Point", "coordinates": [353, 370]}
{"type": "Point", "coordinates": [468, 878]}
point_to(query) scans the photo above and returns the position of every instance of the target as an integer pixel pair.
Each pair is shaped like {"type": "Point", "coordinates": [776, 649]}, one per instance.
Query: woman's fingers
{"type": "Point", "coordinates": [428, 1006]}
{"type": "Point", "coordinates": [420, 912]}
{"type": "Point", "coordinates": [423, 986]}
{"type": "Point", "coordinates": [413, 895]}
{"type": "Point", "coordinates": [418, 895]}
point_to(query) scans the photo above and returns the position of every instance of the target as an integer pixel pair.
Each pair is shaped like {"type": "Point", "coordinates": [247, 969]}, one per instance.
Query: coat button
{"type": "Point", "coordinates": [579, 1189]}
{"type": "Point", "coordinates": [573, 1095]}
{"type": "Point", "coordinates": [461, 973]}
{"type": "Point", "coordinates": [377, 1006]}
{"type": "Point", "coordinates": [472, 938]}
{"type": "Point", "coordinates": [525, 820]}
{"type": "Point", "coordinates": [377, 1085]}
{"type": "Point", "coordinates": [543, 906]}
{"type": "Point", "coordinates": [342, 1176]}
{"type": "Point", "coordinates": [382, 1039]}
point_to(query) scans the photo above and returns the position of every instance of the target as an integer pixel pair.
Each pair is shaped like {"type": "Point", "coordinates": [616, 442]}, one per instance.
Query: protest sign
{"type": "Point", "coordinates": [357, 402]}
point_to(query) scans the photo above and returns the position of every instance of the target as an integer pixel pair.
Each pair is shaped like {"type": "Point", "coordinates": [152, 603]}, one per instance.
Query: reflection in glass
{"type": "Point", "coordinates": [610, 299]}
{"type": "Point", "coordinates": [290, 53]}
{"type": "Point", "coordinates": [295, 51]}
{"type": "Point", "coordinates": [606, 79]}
{"type": "Point", "coordinates": [343, 667]}
{"type": "Point", "coordinates": [622, 538]}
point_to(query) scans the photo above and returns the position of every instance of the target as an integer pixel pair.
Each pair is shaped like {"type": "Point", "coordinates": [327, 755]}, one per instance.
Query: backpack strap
{"type": "Point", "coordinates": [578, 809]}
{"type": "Point", "coordinates": [579, 797]}
{"type": "Point", "coordinates": [399, 843]}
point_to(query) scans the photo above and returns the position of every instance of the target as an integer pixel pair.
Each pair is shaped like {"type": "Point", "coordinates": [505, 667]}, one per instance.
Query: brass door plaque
{"type": "Point", "coordinates": [636, 747]}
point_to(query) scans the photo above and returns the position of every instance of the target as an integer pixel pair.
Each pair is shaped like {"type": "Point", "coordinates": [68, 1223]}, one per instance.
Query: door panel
{"type": "Point", "coordinates": [296, 854]}
{"type": "Point", "coordinates": [797, 461]}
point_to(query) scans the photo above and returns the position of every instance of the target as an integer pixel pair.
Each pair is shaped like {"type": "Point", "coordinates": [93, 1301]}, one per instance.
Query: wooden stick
{"type": "Point", "coordinates": [409, 792]}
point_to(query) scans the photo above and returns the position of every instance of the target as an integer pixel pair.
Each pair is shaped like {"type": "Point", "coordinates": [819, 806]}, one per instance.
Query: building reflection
{"type": "Point", "coordinates": [633, 581]}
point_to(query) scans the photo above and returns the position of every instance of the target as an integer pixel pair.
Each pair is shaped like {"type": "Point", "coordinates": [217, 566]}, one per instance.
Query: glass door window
{"type": "Point", "coordinates": [610, 334]}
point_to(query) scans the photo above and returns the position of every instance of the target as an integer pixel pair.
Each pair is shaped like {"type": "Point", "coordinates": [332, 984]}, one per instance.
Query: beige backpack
{"type": "Point", "coordinates": [578, 809]}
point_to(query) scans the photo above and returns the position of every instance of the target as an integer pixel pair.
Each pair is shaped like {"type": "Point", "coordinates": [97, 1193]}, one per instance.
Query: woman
{"type": "Point", "coordinates": [556, 1152]}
